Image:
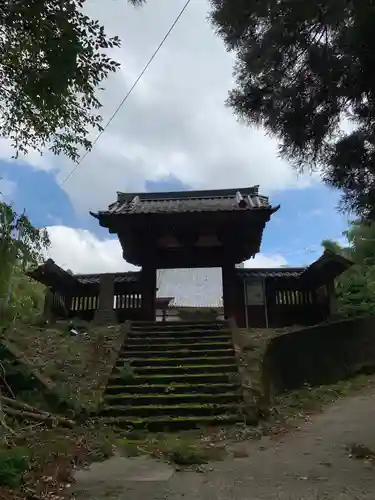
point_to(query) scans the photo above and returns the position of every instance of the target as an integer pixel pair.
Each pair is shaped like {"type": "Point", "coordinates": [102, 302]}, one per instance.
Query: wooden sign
{"type": "Point", "coordinates": [254, 293]}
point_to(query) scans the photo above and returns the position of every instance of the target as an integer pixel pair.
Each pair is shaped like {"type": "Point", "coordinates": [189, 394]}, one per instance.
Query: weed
{"type": "Point", "coordinates": [360, 451]}
{"type": "Point", "coordinates": [13, 464]}
{"type": "Point", "coordinates": [126, 372]}
{"type": "Point", "coordinates": [104, 450]}
{"type": "Point", "coordinates": [187, 455]}
{"type": "Point", "coordinates": [180, 450]}
{"type": "Point", "coordinates": [313, 399]}
{"type": "Point", "coordinates": [136, 434]}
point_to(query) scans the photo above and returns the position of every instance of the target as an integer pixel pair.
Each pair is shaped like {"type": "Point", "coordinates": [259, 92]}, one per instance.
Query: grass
{"type": "Point", "coordinates": [38, 462]}
{"type": "Point", "coordinates": [182, 450]}
{"type": "Point", "coordinates": [13, 464]}
{"type": "Point", "coordinates": [77, 366]}
{"type": "Point", "coordinates": [293, 405]}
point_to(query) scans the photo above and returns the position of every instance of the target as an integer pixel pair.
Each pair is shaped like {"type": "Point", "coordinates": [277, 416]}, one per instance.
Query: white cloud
{"type": "Point", "coordinates": [262, 260]}
{"type": "Point", "coordinates": [175, 121]}
{"type": "Point", "coordinates": [83, 252]}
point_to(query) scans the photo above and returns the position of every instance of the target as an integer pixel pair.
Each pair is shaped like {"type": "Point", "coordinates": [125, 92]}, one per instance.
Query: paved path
{"type": "Point", "coordinates": [309, 464]}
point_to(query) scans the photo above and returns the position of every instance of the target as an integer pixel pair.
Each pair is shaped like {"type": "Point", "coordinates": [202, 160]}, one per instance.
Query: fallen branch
{"type": "Point", "coordinates": [3, 423]}
{"type": "Point", "coordinates": [53, 419]}
{"type": "Point", "coordinates": [3, 376]}
{"type": "Point", "coordinates": [2, 420]}
{"type": "Point", "coordinates": [21, 405]}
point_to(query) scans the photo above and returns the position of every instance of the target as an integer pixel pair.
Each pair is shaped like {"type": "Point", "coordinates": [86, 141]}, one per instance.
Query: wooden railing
{"type": "Point", "coordinates": [128, 306]}
{"type": "Point", "coordinates": [59, 305]}
{"type": "Point", "coordinates": [286, 306]}
{"type": "Point", "coordinates": [90, 303]}
{"type": "Point", "coordinates": [128, 301]}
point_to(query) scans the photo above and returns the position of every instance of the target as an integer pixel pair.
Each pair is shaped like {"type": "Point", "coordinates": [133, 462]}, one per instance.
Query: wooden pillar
{"type": "Point", "coordinates": [105, 314]}
{"type": "Point", "coordinates": [232, 297]}
{"type": "Point", "coordinates": [47, 314]}
{"type": "Point", "coordinates": [333, 311]}
{"type": "Point", "coordinates": [68, 304]}
{"type": "Point", "coordinates": [148, 279]}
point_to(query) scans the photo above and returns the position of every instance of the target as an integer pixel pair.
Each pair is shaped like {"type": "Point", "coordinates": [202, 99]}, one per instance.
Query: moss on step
{"type": "Point", "coordinates": [188, 369]}
{"type": "Point", "coordinates": [182, 376]}
{"type": "Point", "coordinates": [183, 409]}
{"type": "Point", "coordinates": [162, 361]}
{"type": "Point", "coordinates": [174, 386]}
{"type": "Point", "coordinates": [218, 339]}
{"type": "Point", "coordinates": [170, 348]}
{"type": "Point", "coordinates": [190, 352]}
{"type": "Point", "coordinates": [152, 397]}
{"type": "Point", "coordinates": [171, 423]}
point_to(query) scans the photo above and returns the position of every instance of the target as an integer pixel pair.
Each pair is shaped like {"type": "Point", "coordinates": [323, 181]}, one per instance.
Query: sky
{"type": "Point", "coordinates": [173, 133]}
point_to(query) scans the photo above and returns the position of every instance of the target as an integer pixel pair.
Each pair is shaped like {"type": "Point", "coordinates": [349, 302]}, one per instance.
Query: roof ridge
{"type": "Point", "coordinates": [183, 194]}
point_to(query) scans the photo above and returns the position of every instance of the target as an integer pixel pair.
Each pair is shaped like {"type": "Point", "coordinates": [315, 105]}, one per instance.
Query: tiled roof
{"type": "Point", "coordinates": [189, 201]}
{"type": "Point", "coordinates": [85, 279]}
{"type": "Point", "coordinates": [278, 272]}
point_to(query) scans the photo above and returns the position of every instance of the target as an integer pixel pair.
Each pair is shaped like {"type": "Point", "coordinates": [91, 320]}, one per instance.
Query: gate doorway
{"type": "Point", "coordinates": [196, 294]}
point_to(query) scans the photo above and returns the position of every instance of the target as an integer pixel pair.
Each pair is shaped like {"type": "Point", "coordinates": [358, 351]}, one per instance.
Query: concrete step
{"type": "Point", "coordinates": [170, 399]}
{"type": "Point", "coordinates": [137, 340]}
{"type": "Point", "coordinates": [171, 423]}
{"type": "Point", "coordinates": [188, 369]}
{"type": "Point", "coordinates": [173, 378]}
{"type": "Point", "coordinates": [171, 361]}
{"type": "Point", "coordinates": [163, 389]}
{"type": "Point", "coordinates": [178, 334]}
{"type": "Point", "coordinates": [178, 325]}
{"type": "Point", "coordinates": [184, 409]}
{"type": "Point", "coordinates": [178, 353]}
{"type": "Point", "coordinates": [201, 346]}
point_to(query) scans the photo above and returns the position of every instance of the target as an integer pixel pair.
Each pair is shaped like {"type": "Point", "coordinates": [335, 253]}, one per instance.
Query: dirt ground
{"type": "Point", "coordinates": [312, 462]}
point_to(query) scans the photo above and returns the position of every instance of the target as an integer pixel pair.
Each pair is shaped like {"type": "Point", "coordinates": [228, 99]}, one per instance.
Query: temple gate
{"type": "Point", "coordinates": [192, 229]}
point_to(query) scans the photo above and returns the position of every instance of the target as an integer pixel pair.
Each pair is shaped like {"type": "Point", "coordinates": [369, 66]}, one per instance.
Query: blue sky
{"type": "Point", "coordinates": [306, 217]}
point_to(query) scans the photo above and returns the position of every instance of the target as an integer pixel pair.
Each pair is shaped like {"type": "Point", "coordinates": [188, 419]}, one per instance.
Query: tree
{"type": "Point", "coordinates": [355, 288]}
{"type": "Point", "coordinates": [301, 69]}
{"type": "Point", "coordinates": [21, 246]}
{"type": "Point", "coordinates": [52, 61]}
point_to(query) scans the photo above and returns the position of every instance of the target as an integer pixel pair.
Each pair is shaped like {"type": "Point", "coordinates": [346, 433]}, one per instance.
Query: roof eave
{"type": "Point", "coordinates": [315, 271]}
{"type": "Point", "coordinates": [106, 213]}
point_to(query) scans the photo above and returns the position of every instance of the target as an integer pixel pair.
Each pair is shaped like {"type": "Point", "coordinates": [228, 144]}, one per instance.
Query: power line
{"type": "Point", "coordinates": [78, 164]}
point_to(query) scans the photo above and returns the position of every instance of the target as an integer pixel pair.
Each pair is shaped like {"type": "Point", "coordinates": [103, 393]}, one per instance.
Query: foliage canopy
{"type": "Point", "coordinates": [301, 69]}
{"type": "Point", "coordinates": [21, 246]}
{"type": "Point", "coordinates": [356, 287]}
{"type": "Point", "coordinates": [52, 61]}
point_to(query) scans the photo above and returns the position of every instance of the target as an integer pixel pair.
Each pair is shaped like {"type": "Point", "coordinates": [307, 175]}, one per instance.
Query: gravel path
{"type": "Point", "coordinates": [311, 463]}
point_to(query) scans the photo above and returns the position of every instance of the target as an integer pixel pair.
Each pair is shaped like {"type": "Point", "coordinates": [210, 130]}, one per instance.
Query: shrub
{"type": "Point", "coordinates": [13, 464]}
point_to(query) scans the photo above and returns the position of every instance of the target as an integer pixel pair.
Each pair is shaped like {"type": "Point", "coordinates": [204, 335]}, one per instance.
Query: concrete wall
{"type": "Point", "coordinates": [320, 354]}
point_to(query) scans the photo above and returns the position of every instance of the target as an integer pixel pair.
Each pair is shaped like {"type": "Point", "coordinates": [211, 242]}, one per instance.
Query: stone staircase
{"type": "Point", "coordinates": [182, 375]}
